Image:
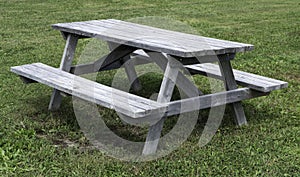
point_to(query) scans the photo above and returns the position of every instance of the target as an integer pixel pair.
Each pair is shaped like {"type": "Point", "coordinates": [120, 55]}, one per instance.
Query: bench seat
{"type": "Point", "coordinates": [123, 102]}
{"type": "Point", "coordinates": [138, 107]}
{"type": "Point", "coordinates": [253, 81]}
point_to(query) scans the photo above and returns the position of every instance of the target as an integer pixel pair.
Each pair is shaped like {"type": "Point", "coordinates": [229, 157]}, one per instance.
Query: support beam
{"type": "Point", "coordinates": [110, 61]}
{"type": "Point", "coordinates": [129, 68]}
{"type": "Point", "coordinates": [131, 74]}
{"type": "Point", "coordinates": [212, 100]}
{"type": "Point", "coordinates": [230, 83]}
{"type": "Point", "coordinates": [65, 65]}
{"type": "Point", "coordinates": [164, 96]}
{"type": "Point", "coordinates": [182, 81]}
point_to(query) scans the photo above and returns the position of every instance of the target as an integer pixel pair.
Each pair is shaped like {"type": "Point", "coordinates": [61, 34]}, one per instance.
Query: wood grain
{"type": "Point", "coordinates": [65, 65]}
{"type": "Point", "coordinates": [253, 81]}
{"type": "Point", "coordinates": [164, 96]}
{"type": "Point", "coordinates": [154, 39]}
{"type": "Point", "coordinates": [126, 103]}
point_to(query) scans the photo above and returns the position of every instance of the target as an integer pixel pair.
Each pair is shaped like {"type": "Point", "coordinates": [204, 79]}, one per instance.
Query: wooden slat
{"type": "Point", "coordinates": [254, 81]}
{"type": "Point", "coordinates": [211, 100]}
{"type": "Point", "coordinates": [161, 33]}
{"type": "Point", "coordinates": [150, 38]}
{"type": "Point", "coordinates": [101, 89]}
{"type": "Point", "coordinates": [116, 37]}
{"type": "Point", "coordinates": [126, 103]}
{"type": "Point", "coordinates": [53, 77]}
{"type": "Point", "coordinates": [135, 33]}
{"type": "Point", "coordinates": [187, 37]}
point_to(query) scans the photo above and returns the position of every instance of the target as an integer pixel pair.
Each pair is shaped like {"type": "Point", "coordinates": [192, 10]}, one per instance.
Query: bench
{"type": "Point", "coordinates": [135, 106]}
{"type": "Point", "coordinates": [128, 104]}
{"type": "Point", "coordinates": [253, 81]}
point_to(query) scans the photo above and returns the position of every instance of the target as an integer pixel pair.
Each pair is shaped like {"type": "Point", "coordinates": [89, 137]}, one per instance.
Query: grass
{"type": "Point", "coordinates": [36, 142]}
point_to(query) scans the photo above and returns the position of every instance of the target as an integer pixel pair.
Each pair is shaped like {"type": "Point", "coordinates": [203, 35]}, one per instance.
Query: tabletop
{"type": "Point", "coordinates": [151, 38]}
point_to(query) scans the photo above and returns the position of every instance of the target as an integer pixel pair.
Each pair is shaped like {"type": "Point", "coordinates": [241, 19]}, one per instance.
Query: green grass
{"type": "Point", "coordinates": [36, 142]}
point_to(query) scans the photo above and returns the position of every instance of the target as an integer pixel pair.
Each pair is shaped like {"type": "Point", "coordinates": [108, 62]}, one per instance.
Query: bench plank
{"type": "Point", "coordinates": [126, 103]}
{"type": "Point", "coordinates": [253, 81]}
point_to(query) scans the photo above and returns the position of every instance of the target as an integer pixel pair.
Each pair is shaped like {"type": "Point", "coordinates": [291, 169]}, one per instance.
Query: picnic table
{"type": "Point", "coordinates": [170, 50]}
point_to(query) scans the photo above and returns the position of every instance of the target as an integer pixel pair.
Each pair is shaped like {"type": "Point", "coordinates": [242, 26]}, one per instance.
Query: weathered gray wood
{"type": "Point", "coordinates": [117, 24]}
{"type": "Point", "coordinates": [34, 71]}
{"type": "Point", "coordinates": [94, 66]}
{"type": "Point", "coordinates": [119, 52]}
{"type": "Point", "coordinates": [154, 39]}
{"type": "Point", "coordinates": [186, 48]}
{"type": "Point", "coordinates": [230, 83]}
{"type": "Point", "coordinates": [69, 52]}
{"type": "Point", "coordinates": [153, 137]}
{"type": "Point", "coordinates": [26, 80]}
{"type": "Point", "coordinates": [174, 34]}
{"type": "Point", "coordinates": [137, 41]}
{"type": "Point", "coordinates": [189, 39]}
{"type": "Point", "coordinates": [129, 69]}
{"type": "Point", "coordinates": [101, 89]}
{"type": "Point", "coordinates": [49, 76]}
{"type": "Point", "coordinates": [112, 60]}
{"type": "Point", "coordinates": [188, 61]}
{"type": "Point", "coordinates": [182, 82]}
{"type": "Point", "coordinates": [132, 75]}
{"type": "Point", "coordinates": [211, 100]}
{"type": "Point", "coordinates": [253, 81]}
{"type": "Point", "coordinates": [89, 68]}
{"type": "Point", "coordinates": [124, 31]}
{"type": "Point", "coordinates": [126, 103]}
{"type": "Point", "coordinates": [65, 65]}
{"type": "Point", "coordinates": [164, 96]}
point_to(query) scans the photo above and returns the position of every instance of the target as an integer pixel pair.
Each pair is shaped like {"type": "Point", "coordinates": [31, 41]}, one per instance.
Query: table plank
{"type": "Point", "coordinates": [176, 35]}
{"type": "Point", "coordinates": [150, 38]}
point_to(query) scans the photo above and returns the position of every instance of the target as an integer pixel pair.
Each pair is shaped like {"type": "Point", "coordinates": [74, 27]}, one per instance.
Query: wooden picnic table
{"type": "Point", "coordinates": [170, 50]}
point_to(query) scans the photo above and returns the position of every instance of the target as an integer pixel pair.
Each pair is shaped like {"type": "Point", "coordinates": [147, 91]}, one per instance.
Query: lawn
{"type": "Point", "coordinates": [36, 142]}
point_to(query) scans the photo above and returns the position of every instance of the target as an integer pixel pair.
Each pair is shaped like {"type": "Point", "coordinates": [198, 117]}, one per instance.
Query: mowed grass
{"type": "Point", "coordinates": [36, 142]}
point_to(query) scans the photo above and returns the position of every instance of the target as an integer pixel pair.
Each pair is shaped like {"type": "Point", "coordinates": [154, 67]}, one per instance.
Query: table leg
{"type": "Point", "coordinates": [65, 65]}
{"type": "Point", "coordinates": [230, 83]}
{"type": "Point", "coordinates": [165, 94]}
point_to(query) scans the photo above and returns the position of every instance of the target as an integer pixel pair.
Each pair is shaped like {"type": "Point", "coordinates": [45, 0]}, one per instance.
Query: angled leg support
{"type": "Point", "coordinates": [65, 65]}
{"type": "Point", "coordinates": [129, 69]}
{"type": "Point", "coordinates": [230, 83]}
{"type": "Point", "coordinates": [165, 94]}
{"type": "Point", "coordinates": [182, 81]}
